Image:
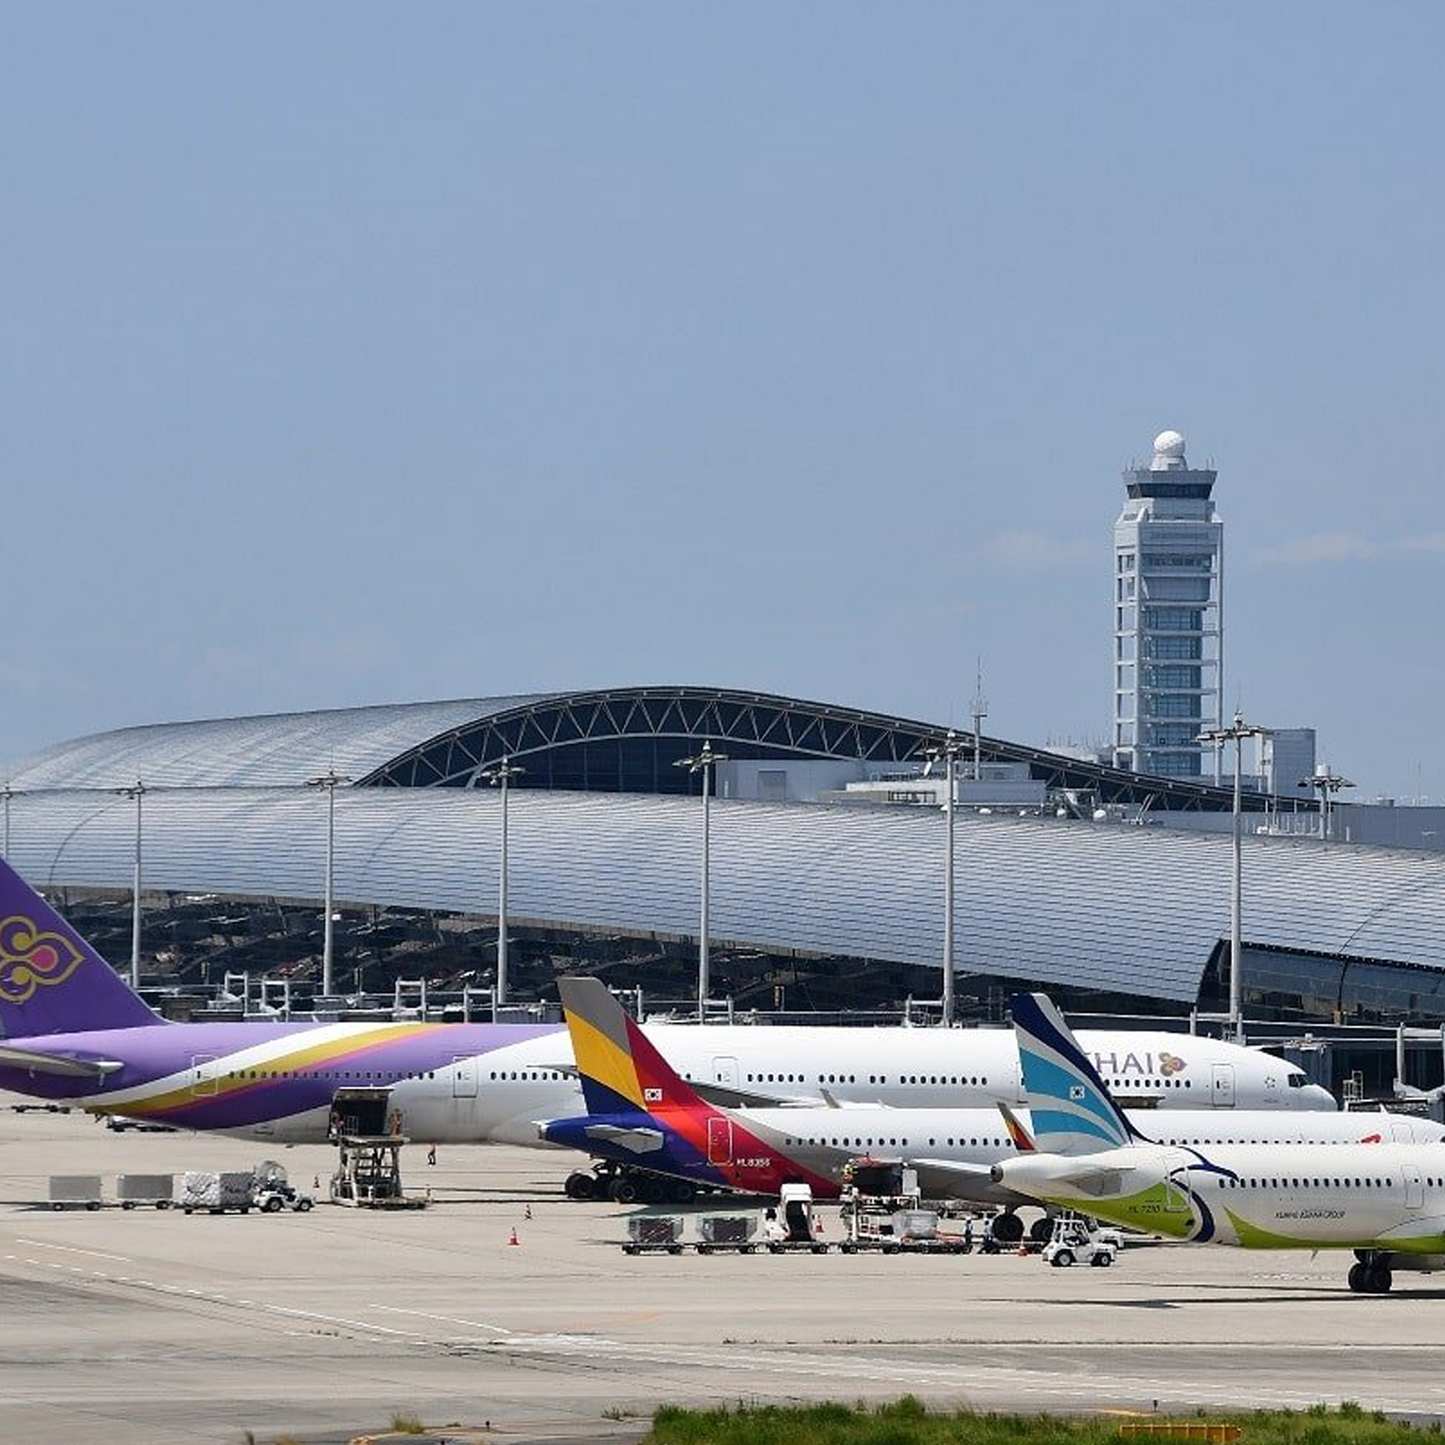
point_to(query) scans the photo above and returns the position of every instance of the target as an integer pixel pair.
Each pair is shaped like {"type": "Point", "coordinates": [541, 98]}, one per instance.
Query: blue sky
{"type": "Point", "coordinates": [360, 353]}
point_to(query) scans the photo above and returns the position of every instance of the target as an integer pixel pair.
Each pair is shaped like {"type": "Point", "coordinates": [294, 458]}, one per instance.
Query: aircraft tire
{"type": "Point", "coordinates": [1041, 1230]}
{"type": "Point", "coordinates": [654, 1191]}
{"type": "Point", "coordinates": [1008, 1229]}
{"type": "Point", "coordinates": [625, 1191]}
{"type": "Point", "coordinates": [1379, 1279]}
{"type": "Point", "coordinates": [1356, 1278]}
{"type": "Point", "coordinates": [683, 1191]}
{"type": "Point", "coordinates": [580, 1186]}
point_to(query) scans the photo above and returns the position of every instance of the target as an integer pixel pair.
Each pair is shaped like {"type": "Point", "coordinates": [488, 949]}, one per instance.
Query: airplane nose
{"type": "Point", "coordinates": [1316, 1096]}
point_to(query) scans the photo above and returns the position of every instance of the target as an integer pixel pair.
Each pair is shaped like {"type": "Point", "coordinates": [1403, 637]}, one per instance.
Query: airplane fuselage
{"type": "Point", "coordinates": [1386, 1196]}
{"type": "Point", "coordinates": [952, 1151]}
{"type": "Point", "coordinates": [471, 1083]}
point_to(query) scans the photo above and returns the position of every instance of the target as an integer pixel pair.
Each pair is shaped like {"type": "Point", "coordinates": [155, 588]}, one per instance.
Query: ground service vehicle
{"type": "Point", "coordinates": [1074, 1242]}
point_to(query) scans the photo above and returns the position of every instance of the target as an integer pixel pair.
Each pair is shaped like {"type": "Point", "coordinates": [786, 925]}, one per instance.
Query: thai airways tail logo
{"type": "Point", "coordinates": [31, 959]}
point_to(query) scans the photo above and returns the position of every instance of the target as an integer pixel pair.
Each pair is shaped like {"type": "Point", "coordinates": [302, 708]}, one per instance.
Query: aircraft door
{"type": "Point", "coordinates": [725, 1072]}
{"type": "Point", "coordinates": [204, 1078]}
{"type": "Point", "coordinates": [1222, 1095]}
{"type": "Point", "coordinates": [719, 1141]}
{"type": "Point", "coordinates": [1414, 1186]}
{"type": "Point", "coordinates": [464, 1077]}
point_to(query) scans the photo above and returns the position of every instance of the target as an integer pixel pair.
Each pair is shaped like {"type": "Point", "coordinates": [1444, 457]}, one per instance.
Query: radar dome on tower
{"type": "Point", "coordinates": [1168, 452]}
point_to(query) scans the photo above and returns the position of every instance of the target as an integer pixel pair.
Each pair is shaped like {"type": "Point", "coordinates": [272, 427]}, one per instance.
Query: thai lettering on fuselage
{"type": "Point", "coordinates": [1125, 1066]}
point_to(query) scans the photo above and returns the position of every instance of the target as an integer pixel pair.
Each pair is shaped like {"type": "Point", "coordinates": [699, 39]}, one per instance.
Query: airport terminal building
{"type": "Point", "coordinates": [813, 906]}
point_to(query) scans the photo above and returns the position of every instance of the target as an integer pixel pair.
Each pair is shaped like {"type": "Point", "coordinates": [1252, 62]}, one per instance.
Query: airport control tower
{"type": "Point", "coordinates": [1168, 617]}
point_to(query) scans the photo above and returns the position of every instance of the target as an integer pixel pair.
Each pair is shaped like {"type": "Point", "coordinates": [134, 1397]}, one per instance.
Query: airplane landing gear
{"type": "Point", "coordinates": [1371, 1273]}
{"type": "Point", "coordinates": [1008, 1228]}
{"type": "Point", "coordinates": [625, 1185]}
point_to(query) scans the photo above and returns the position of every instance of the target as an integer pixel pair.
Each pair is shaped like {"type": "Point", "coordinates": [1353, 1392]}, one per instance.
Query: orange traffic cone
{"type": "Point", "coordinates": [514, 1239]}
{"type": "Point", "coordinates": [1023, 1251]}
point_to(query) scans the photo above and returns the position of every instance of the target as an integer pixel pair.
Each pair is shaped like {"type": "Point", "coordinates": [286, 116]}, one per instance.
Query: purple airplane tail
{"type": "Point", "coordinates": [51, 980]}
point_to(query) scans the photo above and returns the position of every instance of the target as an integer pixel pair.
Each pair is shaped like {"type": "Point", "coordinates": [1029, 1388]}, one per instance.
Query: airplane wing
{"type": "Point", "coordinates": [67, 1066]}
{"type": "Point", "coordinates": [636, 1141]}
{"type": "Point", "coordinates": [955, 1166]}
{"type": "Point", "coordinates": [729, 1096]}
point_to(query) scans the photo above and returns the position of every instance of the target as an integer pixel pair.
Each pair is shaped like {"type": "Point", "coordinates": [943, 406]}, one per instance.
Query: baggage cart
{"type": "Point", "coordinates": [721, 1232]}
{"type": "Point", "coordinates": [79, 1191]}
{"type": "Point", "coordinates": [654, 1234]}
{"type": "Point", "coordinates": [157, 1190]}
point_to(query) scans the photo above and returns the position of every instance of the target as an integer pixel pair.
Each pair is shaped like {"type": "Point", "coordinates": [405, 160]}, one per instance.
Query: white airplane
{"type": "Point", "coordinates": [1385, 1201]}
{"type": "Point", "coordinates": [70, 1029]}
{"type": "Point", "coordinates": [640, 1112]}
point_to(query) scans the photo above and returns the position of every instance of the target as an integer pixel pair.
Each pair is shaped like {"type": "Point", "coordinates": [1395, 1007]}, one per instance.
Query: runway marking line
{"type": "Point", "coordinates": [72, 1249]}
{"type": "Point", "coordinates": [445, 1319]}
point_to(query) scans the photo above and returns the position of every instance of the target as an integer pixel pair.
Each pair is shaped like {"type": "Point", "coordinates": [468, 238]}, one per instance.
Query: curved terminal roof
{"type": "Point", "coordinates": [1091, 905]}
{"type": "Point", "coordinates": [615, 740]}
{"type": "Point", "coordinates": [275, 750]}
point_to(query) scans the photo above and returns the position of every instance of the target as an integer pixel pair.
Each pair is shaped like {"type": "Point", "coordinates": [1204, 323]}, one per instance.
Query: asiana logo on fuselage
{"type": "Point", "coordinates": [32, 959]}
{"type": "Point", "coordinates": [1143, 1065]}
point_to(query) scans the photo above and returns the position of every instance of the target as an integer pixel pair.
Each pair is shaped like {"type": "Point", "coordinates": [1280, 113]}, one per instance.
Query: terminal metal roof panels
{"type": "Point", "coordinates": [1089, 905]}
{"type": "Point", "coordinates": [276, 750]}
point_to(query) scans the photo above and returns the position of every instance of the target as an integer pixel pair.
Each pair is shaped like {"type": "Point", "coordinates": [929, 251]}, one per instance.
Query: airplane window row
{"type": "Point", "coordinates": [1309, 1183]}
{"type": "Point", "coordinates": [504, 1075]}
{"type": "Point", "coordinates": [957, 1080]}
{"type": "Point", "coordinates": [333, 1075]}
{"type": "Point", "coordinates": [902, 1143]}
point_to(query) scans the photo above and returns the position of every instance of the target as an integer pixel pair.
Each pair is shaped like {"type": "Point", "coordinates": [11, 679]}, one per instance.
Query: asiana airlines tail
{"type": "Point", "coordinates": [1383, 1200]}
{"type": "Point", "coordinates": [71, 1029]}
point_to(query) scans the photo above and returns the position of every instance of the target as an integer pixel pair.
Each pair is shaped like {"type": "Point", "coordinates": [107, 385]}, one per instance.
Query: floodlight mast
{"type": "Point", "coordinates": [1326, 782]}
{"type": "Point", "coordinates": [499, 777]}
{"type": "Point", "coordinates": [328, 782]}
{"type": "Point", "coordinates": [6, 793]}
{"type": "Point", "coordinates": [1237, 731]}
{"type": "Point", "coordinates": [949, 750]}
{"type": "Point", "coordinates": [704, 762]}
{"type": "Point", "coordinates": [137, 791]}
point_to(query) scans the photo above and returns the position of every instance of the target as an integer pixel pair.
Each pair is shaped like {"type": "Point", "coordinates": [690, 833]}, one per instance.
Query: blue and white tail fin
{"type": "Point", "coordinates": [1070, 1107]}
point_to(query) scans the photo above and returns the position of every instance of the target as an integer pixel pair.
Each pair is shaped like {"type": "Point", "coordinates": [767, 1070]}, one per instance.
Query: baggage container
{"type": "Point", "coordinates": [138, 1189]}
{"type": "Point", "coordinates": [915, 1224]}
{"type": "Point", "coordinates": [719, 1232]}
{"type": "Point", "coordinates": [216, 1193]}
{"type": "Point", "coordinates": [80, 1190]}
{"type": "Point", "coordinates": [654, 1232]}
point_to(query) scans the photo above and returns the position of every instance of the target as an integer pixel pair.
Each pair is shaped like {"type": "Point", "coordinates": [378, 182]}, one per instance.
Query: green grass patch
{"type": "Point", "coordinates": [909, 1422]}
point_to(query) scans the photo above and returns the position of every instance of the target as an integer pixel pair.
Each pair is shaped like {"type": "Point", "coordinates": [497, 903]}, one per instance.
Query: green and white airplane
{"type": "Point", "coordinates": [1383, 1200]}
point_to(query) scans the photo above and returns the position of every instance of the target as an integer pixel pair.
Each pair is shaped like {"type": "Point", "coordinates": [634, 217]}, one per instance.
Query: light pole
{"type": "Point", "coordinates": [328, 781]}
{"type": "Point", "coordinates": [1326, 782]}
{"type": "Point", "coordinates": [704, 763]}
{"type": "Point", "coordinates": [137, 791]}
{"type": "Point", "coordinates": [499, 776]}
{"type": "Point", "coordinates": [950, 749]}
{"type": "Point", "coordinates": [1238, 730]}
{"type": "Point", "coordinates": [6, 793]}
